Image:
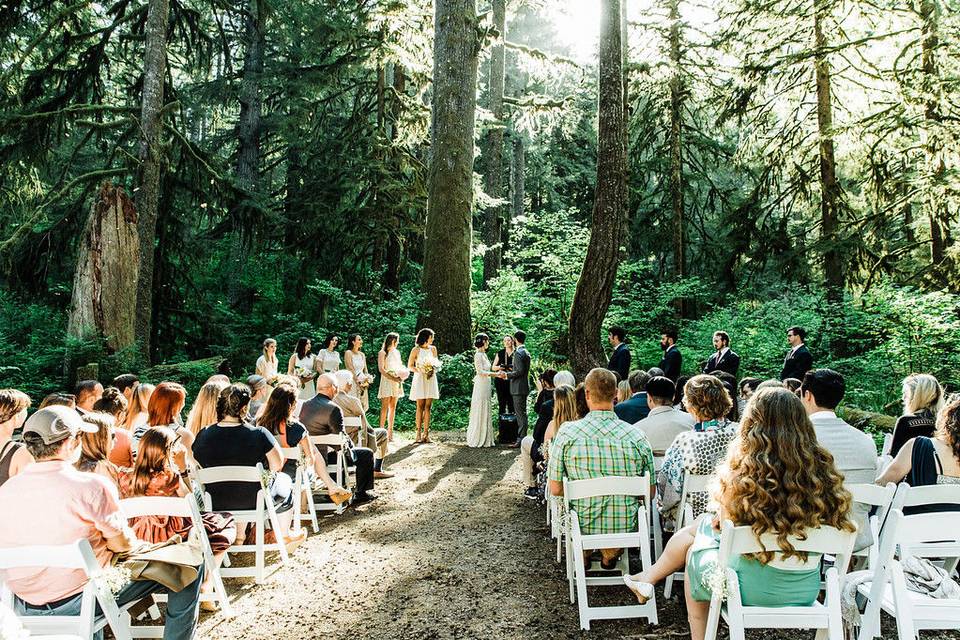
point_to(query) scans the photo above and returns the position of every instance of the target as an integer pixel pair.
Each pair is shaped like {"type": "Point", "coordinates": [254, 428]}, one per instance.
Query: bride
{"type": "Point", "coordinates": [480, 430]}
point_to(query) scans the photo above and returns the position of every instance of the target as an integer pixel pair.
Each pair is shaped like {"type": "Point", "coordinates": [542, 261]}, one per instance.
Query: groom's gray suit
{"type": "Point", "coordinates": [519, 377]}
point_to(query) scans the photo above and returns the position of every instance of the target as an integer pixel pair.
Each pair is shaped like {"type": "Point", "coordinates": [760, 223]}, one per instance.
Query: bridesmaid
{"type": "Point", "coordinates": [392, 374]}
{"type": "Point", "coordinates": [424, 389]}
{"type": "Point", "coordinates": [480, 429]}
{"type": "Point", "coordinates": [307, 362]}
{"type": "Point", "coordinates": [355, 362]}
{"type": "Point", "coordinates": [329, 359]}
{"type": "Point", "coordinates": [267, 363]}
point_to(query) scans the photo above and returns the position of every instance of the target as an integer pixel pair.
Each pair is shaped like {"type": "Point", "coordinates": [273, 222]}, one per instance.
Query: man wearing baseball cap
{"type": "Point", "coordinates": [52, 503]}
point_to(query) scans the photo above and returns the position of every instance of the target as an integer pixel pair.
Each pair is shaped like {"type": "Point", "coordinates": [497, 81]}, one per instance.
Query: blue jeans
{"type": "Point", "coordinates": [182, 606]}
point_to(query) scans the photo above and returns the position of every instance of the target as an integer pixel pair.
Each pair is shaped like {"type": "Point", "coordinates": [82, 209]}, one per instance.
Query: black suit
{"type": "Point", "coordinates": [620, 361]}
{"type": "Point", "coordinates": [797, 363]}
{"type": "Point", "coordinates": [672, 363]}
{"type": "Point", "coordinates": [633, 409]}
{"type": "Point", "coordinates": [322, 417]}
{"type": "Point", "coordinates": [729, 362]}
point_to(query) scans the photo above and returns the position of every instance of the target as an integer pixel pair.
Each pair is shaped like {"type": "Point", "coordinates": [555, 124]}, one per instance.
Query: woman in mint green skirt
{"type": "Point", "coordinates": [776, 479]}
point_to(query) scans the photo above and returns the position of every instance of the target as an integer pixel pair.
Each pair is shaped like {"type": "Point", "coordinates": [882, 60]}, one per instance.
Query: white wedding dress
{"type": "Point", "coordinates": [480, 429]}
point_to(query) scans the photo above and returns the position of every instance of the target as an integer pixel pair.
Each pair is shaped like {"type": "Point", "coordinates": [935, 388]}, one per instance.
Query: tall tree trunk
{"type": "Point", "coordinates": [151, 159]}
{"type": "Point", "coordinates": [108, 261]}
{"type": "Point", "coordinates": [449, 226]}
{"type": "Point", "coordinates": [829, 200]}
{"type": "Point", "coordinates": [493, 183]}
{"type": "Point", "coordinates": [517, 188]}
{"type": "Point", "coordinates": [595, 286]}
{"type": "Point", "coordinates": [677, 96]}
{"type": "Point", "coordinates": [248, 157]}
{"type": "Point", "coordinates": [395, 245]}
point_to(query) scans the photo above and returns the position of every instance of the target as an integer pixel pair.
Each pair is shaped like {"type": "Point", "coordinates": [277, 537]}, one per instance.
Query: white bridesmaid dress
{"type": "Point", "coordinates": [422, 387]}
{"type": "Point", "coordinates": [480, 429]}
{"type": "Point", "coordinates": [309, 389]}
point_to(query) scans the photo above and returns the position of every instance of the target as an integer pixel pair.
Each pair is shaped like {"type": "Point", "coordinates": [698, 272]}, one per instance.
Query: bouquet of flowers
{"type": "Point", "coordinates": [430, 366]}
{"type": "Point", "coordinates": [364, 379]}
{"type": "Point", "coordinates": [401, 374]}
{"type": "Point", "coordinates": [305, 375]}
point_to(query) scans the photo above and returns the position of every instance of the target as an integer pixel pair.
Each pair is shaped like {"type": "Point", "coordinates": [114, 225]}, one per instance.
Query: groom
{"type": "Point", "coordinates": [519, 377]}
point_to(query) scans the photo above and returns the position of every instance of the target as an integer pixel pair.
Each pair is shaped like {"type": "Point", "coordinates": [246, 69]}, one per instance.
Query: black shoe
{"type": "Point", "coordinates": [531, 494]}
{"type": "Point", "coordinates": [363, 498]}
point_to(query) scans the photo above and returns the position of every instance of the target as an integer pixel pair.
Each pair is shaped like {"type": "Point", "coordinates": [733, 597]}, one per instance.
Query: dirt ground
{"type": "Point", "coordinates": [450, 550]}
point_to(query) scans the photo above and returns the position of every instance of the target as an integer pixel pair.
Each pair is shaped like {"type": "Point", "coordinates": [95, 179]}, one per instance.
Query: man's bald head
{"type": "Point", "coordinates": [327, 385]}
{"type": "Point", "coordinates": [601, 387]}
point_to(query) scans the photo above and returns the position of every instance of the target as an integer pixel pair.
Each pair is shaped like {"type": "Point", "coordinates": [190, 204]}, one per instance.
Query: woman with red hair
{"type": "Point", "coordinates": [163, 410]}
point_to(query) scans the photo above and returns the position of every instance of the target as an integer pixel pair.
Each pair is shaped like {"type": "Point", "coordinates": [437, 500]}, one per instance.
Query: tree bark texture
{"type": "Point", "coordinates": [833, 264]}
{"type": "Point", "coordinates": [493, 177]}
{"type": "Point", "coordinates": [395, 244]}
{"type": "Point", "coordinates": [676, 144]}
{"type": "Point", "coordinates": [517, 188]}
{"type": "Point", "coordinates": [151, 159]}
{"type": "Point", "coordinates": [104, 300]}
{"type": "Point", "coordinates": [597, 278]}
{"type": "Point", "coordinates": [449, 226]}
{"type": "Point", "coordinates": [248, 130]}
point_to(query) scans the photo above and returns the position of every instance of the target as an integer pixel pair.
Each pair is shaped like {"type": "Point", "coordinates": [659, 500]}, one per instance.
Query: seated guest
{"type": "Point", "coordinates": [655, 372]}
{"type": "Point", "coordinates": [678, 402]}
{"type": "Point", "coordinates": [793, 384]}
{"type": "Point", "coordinates": [564, 377]}
{"type": "Point", "coordinates": [114, 404]}
{"type": "Point", "coordinates": [166, 404]}
{"type": "Point", "coordinates": [231, 442]}
{"type": "Point", "coordinates": [58, 399]}
{"type": "Point", "coordinates": [924, 461]}
{"type": "Point", "coordinates": [126, 383]}
{"type": "Point", "coordinates": [635, 408]}
{"type": "Point", "coordinates": [623, 391]}
{"type": "Point", "coordinates": [530, 446]}
{"type": "Point", "coordinates": [771, 383]}
{"type": "Point", "coordinates": [664, 423]}
{"type": "Point", "coordinates": [777, 480]}
{"type": "Point", "coordinates": [277, 417]}
{"type": "Point", "coordinates": [594, 447]}
{"type": "Point", "coordinates": [203, 413]}
{"type": "Point", "coordinates": [922, 401]}
{"type": "Point", "coordinates": [137, 407]}
{"type": "Point", "coordinates": [698, 451]}
{"type": "Point", "coordinates": [724, 358]}
{"type": "Point", "coordinates": [582, 408]}
{"type": "Point", "coordinates": [730, 384]}
{"type": "Point", "coordinates": [95, 447]}
{"type": "Point", "coordinates": [155, 475]}
{"type": "Point", "coordinates": [261, 391]}
{"type": "Point", "coordinates": [564, 411]}
{"type": "Point", "coordinates": [351, 407]}
{"type": "Point", "coordinates": [87, 394]}
{"type": "Point", "coordinates": [322, 417]}
{"type": "Point", "coordinates": [56, 505]}
{"type": "Point", "coordinates": [13, 412]}
{"type": "Point", "coordinates": [748, 387]}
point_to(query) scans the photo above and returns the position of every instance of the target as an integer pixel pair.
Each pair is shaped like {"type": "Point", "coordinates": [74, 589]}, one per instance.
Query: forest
{"type": "Point", "coordinates": [180, 179]}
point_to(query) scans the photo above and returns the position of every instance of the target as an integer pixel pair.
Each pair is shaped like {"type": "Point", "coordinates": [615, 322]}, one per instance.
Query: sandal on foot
{"type": "Point", "coordinates": [643, 590]}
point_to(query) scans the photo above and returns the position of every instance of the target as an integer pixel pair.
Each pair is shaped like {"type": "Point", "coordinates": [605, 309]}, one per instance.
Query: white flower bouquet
{"type": "Point", "coordinates": [401, 374]}
{"type": "Point", "coordinates": [305, 375]}
{"type": "Point", "coordinates": [364, 379]}
{"type": "Point", "coordinates": [430, 366]}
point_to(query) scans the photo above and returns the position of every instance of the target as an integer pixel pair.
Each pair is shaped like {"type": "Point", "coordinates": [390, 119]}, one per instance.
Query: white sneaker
{"type": "Point", "coordinates": [643, 590]}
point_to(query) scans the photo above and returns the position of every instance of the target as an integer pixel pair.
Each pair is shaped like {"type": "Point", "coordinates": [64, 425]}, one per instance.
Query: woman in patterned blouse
{"type": "Point", "coordinates": [698, 451]}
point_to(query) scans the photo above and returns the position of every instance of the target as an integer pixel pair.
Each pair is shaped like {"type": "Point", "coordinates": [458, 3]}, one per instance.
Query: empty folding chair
{"type": "Point", "coordinates": [691, 484]}
{"type": "Point", "coordinates": [302, 490]}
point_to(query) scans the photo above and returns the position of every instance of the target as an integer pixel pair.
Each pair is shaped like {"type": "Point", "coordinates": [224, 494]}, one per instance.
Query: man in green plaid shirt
{"type": "Point", "coordinates": [601, 445]}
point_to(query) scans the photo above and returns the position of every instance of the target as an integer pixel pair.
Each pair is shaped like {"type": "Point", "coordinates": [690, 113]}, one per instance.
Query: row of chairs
{"type": "Point", "coordinates": [79, 555]}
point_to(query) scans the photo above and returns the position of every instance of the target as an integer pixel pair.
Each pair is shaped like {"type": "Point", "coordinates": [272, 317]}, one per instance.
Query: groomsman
{"type": "Point", "coordinates": [672, 359]}
{"type": "Point", "coordinates": [620, 358]}
{"type": "Point", "coordinates": [798, 360]}
{"type": "Point", "coordinates": [725, 358]}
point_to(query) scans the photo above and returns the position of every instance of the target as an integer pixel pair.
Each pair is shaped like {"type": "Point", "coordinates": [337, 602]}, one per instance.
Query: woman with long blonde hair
{"type": "Point", "coordinates": [564, 410]}
{"type": "Point", "coordinates": [137, 409]}
{"type": "Point", "coordinates": [203, 413]}
{"type": "Point", "coordinates": [95, 447]}
{"type": "Point", "coordinates": [777, 480]}
{"type": "Point", "coordinates": [922, 400]}
{"type": "Point", "coordinates": [267, 364]}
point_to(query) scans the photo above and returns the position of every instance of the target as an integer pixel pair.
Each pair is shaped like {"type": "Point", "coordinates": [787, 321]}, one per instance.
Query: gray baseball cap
{"type": "Point", "coordinates": [56, 423]}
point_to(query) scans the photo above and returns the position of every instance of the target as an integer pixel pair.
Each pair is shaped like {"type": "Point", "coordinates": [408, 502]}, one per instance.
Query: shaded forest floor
{"type": "Point", "coordinates": [450, 550]}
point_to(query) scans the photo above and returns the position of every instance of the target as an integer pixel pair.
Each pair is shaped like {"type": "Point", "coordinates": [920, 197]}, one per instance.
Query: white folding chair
{"type": "Point", "coordinates": [825, 617]}
{"type": "Point", "coordinates": [349, 423]}
{"type": "Point", "coordinates": [577, 543]}
{"type": "Point", "coordinates": [934, 494]}
{"type": "Point", "coordinates": [185, 507]}
{"type": "Point", "coordinates": [260, 515]}
{"type": "Point", "coordinates": [338, 470]}
{"type": "Point", "coordinates": [887, 444]}
{"type": "Point", "coordinates": [925, 535]}
{"type": "Point", "coordinates": [77, 556]}
{"type": "Point", "coordinates": [302, 488]}
{"type": "Point", "coordinates": [655, 522]}
{"type": "Point", "coordinates": [692, 483]}
{"type": "Point", "coordinates": [872, 496]}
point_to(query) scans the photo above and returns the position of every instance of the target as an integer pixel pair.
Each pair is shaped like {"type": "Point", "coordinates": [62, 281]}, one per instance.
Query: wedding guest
{"type": "Point", "coordinates": [564, 411]}
{"type": "Point", "coordinates": [698, 451]}
{"type": "Point", "coordinates": [792, 384]}
{"type": "Point", "coordinates": [620, 357]}
{"type": "Point", "coordinates": [126, 382]}
{"type": "Point", "coordinates": [155, 475]}
{"type": "Point", "coordinates": [623, 392]}
{"type": "Point", "coordinates": [203, 413]}
{"type": "Point", "coordinates": [672, 362]}
{"type": "Point", "coordinates": [777, 480]}
{"type": "Point", "coordinates": [772, 383]}
{"type": "Point", "coordinates": [58, 398]}
{"type": "Point", "coordinates": [635, 407]}
{"type": "Point", "coordinates": [730, 384]}
{"type": "Point", "coordinates": [218, 377]}
{"type": "Point", "coordinates": [355, 361]}
{"type": "Point", "coordinates": [328, 358]}
{"type": "Point", "coordinates": [583, 409]}
{"type": "Point", "coordinates": [392, 374]}
{"type": "Point", "coordinates": [374, 439]}
{"type": "Point", "coordinates": [530, 447]}
{"type": "Point", "coordinates": [224, 369]}
{"type": "Point", "coordinates": [424, 389]}
{"type": "Point", "coordinates": [922, 401]}
{"type": "Point", "coordinates": [304, 366]}
{"type": "Point", "coordinates": [664, 423]}
{"type": "Point", "coordinates": [503, 361]}
{"type": "Point", "coordinates": [519, 377]}
{"type": "Point", "coordinates": [232, 441]}
{"type": "Point", "coordinates": [87, 394]}
{"type": "Point", "coordinates": [480, 426]}
{"type": "Point", "coordinates": [137, 408]}
{"type": "Point", "coordinates": [748, 386]}
{"type": "Point", "coordinates": [260, 390]}
{"type": "Point", "coordinates": [95, 447]}
{"type": "Point", "coordinates": [267, 364]}
{"type": "Point", "coordinates": [654, 372]}
{"type": "Point", "coordinates": [924, 461]}
{"type": "Point", "coordinates": [678, 402]}
{"type": "Point", "coordinates": [14, 456]}
{"type": "Point", "coordinates": [277, 418]}
{"type": "Point", "coordinates": [594, 447]}
{"type": "Point", "coordinates": [114, 404]}
{"type": "Point", "coordinates": [322, 417]}
{"type": "Point", "coordinates": [166, 403]}
{"type": "Point", "coordinates": [75, 506]}
{"type": "Point", "coordinates": [564, 377]}
{"type": "Point", "coordinates": [798, 360]}
{"type": "Point", "coordinates": [724, 359]}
